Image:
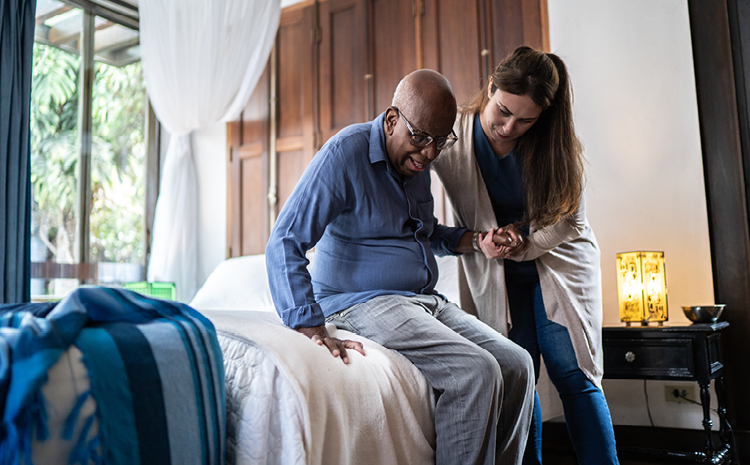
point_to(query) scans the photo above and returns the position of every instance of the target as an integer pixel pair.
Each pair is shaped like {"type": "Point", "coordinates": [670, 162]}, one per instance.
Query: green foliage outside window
{"type": "Point", "coordinates": [118, 164]}
{"type": "Point", "coordinates": [118, 157]}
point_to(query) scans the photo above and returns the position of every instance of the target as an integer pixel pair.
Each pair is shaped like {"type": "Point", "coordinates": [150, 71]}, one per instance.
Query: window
{"type": "Point", "coordinates": [88, 144]}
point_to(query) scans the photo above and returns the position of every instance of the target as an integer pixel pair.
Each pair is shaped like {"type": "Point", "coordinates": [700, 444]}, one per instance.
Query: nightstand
{"type": "Point", "coordinates": [674, 353]}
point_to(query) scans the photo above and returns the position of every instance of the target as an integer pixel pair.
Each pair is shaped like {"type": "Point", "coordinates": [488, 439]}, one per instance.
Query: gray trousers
{"type": "Point", "coordinates": [484, 383]}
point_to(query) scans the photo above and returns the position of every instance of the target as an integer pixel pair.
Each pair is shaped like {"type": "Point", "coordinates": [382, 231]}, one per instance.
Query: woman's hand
{"type": "Point", "coordinates": [512, 240]}
{"type": "Point", "coordinates": [320, 336]}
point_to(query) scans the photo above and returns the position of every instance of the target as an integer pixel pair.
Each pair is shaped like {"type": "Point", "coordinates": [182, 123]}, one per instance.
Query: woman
{"type": "Point", "coordinates": [518, 164]}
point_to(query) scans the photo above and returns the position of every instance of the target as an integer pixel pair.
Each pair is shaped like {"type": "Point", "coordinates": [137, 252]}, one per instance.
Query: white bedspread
{"type": "Point", "coordinates": [291, 402]}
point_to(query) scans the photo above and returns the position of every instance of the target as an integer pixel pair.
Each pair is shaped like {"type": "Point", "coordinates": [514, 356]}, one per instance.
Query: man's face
{"type": "Point", "coordinates": [407, 158]}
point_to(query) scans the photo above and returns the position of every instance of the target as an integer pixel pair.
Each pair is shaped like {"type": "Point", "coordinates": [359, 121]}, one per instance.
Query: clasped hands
{"type": "Point", "coordinates": [505, 242]}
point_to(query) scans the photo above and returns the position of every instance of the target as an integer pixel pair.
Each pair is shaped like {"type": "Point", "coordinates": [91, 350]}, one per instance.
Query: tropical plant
{"type": "Point", "coordinates": [118, 157]}
{"type": "Point", "coordinates": [118, 164]}
{"type": "Point", "coordinates": [54, 122]}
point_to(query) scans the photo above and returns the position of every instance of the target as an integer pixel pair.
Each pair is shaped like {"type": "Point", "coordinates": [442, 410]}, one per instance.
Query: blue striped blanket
{"type": "Point", "coordinates": [155, 370]}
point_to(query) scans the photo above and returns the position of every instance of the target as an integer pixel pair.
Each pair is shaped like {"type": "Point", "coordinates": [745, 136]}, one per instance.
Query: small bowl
{"type": "Point", "coordinates": [703, 313]}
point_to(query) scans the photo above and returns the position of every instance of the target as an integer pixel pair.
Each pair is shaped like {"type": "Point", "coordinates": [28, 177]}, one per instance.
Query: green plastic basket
{"type": "Point", "coordinates": [164, 291]}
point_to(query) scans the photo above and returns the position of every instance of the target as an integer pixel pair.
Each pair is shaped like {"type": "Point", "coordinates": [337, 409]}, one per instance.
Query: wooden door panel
{"type": "Point", "coordinates": [247, 178]}
{"type": "Point", "coordinates": [290, 93]}
{"type": "Point", "coordinates": [291, 167]}
{"type": "Point", "coordinates": [343, 65]}
{"type": "Point", "coordinates": [506, 28]}
{"type": "Point", "coordinates": [452, 44]}
{"type": "Point", "coordinates": [393, 49]}
{"type": "Point", "coordinates": [345, 81]}
{"type": "Point", "coordinates": [254, 205]}
{"type": "Point", "coordinates": [255, 115]}
{"type": "Point", "coordinates": [296, 49]}
{"type": "Point", "coordinates": [291, 162]}
{"type": "Point", "coordinates": [296, 45]}
{"type": "Point", "coordinates": [515, 23]}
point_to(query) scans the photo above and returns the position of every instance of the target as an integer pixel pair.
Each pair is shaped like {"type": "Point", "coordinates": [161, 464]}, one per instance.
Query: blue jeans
{"type": "Point", "coordinates": [586, 412]}
{"type": "Point", "coordinates": [483, 382]}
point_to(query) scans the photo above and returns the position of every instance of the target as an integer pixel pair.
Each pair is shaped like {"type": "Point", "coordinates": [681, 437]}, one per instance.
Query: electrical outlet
{"type": "Point", "coordinates": [679, 392]}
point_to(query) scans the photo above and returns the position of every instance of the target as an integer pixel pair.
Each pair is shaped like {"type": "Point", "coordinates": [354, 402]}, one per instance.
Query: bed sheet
{"type": "Point", "coordinates": [290, 402]}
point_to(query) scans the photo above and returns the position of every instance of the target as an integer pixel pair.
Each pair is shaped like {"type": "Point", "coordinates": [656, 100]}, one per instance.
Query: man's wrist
{"type": "Point", "coordinates": [475, 240]}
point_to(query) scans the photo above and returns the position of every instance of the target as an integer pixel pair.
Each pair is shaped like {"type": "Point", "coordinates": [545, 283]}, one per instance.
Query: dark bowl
{"type": "Point", "coordinates": [703, 313]}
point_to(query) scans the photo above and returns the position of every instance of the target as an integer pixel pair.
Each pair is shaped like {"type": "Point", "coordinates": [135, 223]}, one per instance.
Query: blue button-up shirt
{"type": "Point", "coordinates": [374, 232]}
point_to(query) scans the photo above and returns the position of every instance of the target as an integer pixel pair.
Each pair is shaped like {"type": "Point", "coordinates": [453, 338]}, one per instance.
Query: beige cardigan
{"type": "Point", "coordinates": [566, 255]}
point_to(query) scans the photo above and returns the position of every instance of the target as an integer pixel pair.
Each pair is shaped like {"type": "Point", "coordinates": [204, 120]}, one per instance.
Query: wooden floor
{"type": "Point", "coordinates": [557, 449]}
{"type": "Point", "coordinates": [561, 458]}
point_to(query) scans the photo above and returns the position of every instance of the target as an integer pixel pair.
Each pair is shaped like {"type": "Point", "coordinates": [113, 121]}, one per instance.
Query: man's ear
{"type": "Point", "coordinates": [390, 120]}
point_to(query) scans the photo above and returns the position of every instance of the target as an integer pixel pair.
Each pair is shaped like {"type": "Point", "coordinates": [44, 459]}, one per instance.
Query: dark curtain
{"type": "Point", "coordinates": [16, 46]}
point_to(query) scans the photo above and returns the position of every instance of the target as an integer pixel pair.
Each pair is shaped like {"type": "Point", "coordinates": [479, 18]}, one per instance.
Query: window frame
{"type": "Point", "coordinates": [84, 269]}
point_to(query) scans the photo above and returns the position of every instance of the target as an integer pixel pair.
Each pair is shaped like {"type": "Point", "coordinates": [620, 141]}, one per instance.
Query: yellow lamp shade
{"type": "Point", "coordinates": [642, 287]}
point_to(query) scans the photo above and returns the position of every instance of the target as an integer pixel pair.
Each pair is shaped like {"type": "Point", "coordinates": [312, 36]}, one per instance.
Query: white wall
{"type": "Point", "coordinates": [631, 66]}
{"type": "Point", "coordinates": [635, 106]}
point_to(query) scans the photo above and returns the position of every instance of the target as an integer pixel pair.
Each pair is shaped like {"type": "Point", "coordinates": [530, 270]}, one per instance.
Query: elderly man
{"type": "Point", "coordinates": [365, 204]}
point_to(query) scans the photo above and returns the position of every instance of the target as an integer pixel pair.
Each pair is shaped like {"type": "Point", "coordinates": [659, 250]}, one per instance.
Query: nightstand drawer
{"type": "Point", "coordinates": [648, 358]}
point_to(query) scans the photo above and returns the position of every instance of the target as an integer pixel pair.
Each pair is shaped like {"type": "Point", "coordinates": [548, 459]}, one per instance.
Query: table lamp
{"type": "Point", "coordinates": [642, 287]}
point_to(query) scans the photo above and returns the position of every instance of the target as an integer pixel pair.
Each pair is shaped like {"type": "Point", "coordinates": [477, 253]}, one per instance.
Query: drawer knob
{"type": "Point", "coordinates": [629, 356]}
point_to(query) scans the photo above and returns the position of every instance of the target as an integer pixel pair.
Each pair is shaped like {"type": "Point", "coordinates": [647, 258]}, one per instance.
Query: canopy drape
{"type": "Point", "coordinates": [16, 48]}
{"type": "Point", "coordinates": [201, 61]}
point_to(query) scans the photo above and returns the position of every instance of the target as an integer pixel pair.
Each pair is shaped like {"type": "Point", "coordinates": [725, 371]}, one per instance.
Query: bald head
{"type": "Point", "coordinates": [427, 97]}
{"type": "Point", "coordinates": [428, 109]}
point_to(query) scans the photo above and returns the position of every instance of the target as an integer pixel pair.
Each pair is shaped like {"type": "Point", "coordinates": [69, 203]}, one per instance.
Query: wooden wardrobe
{"type": "Point", "coordinates": [337, 62]}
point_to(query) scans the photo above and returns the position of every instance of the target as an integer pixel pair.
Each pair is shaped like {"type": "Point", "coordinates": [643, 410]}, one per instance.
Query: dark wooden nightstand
{"type": "Point", "coordinates": [674, 353]}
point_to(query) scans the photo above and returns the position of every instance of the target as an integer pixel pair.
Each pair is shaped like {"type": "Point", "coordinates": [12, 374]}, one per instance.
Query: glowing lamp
{"type": "Point", "coordinates": [642, 287]}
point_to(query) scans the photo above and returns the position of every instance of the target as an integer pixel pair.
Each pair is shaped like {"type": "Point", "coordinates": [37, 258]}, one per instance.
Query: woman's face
{"type": "Point", "coordinates": [506, 118]}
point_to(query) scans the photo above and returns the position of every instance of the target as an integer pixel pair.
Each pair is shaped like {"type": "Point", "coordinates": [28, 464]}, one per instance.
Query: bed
{"type": "Point", "coordinates": [290, 402]}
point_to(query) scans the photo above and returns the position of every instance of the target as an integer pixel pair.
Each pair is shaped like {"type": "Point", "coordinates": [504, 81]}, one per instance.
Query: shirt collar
{"type": "Point", "coordinates": [377, 141]}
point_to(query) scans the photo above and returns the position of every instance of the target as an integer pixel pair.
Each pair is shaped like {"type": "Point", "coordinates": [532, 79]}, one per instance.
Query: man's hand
{"type": "Point", "coordinates": [320, 336]}
{"type": "Point", "coordinates": [492, 245]}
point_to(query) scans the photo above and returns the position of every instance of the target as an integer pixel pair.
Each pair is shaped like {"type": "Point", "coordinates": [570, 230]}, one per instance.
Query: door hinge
{"type": "Point", "coordinates": [417, 8]}
{"type": "Point", "coordinates": [231, 150]}
{"type": "Point", "coordinates": [317, 35]}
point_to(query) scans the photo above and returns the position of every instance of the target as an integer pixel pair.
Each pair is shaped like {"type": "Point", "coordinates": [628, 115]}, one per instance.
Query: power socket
{"type": "Point", "coordinates": [678, 393]}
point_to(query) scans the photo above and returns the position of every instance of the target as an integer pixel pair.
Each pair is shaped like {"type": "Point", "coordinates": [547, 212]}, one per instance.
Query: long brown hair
{"type": "Point", "coordinates": [551, 154]}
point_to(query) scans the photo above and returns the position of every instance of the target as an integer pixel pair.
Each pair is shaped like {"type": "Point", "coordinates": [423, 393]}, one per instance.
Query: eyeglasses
{"type": "Point", "coordinates": [422, 139]}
